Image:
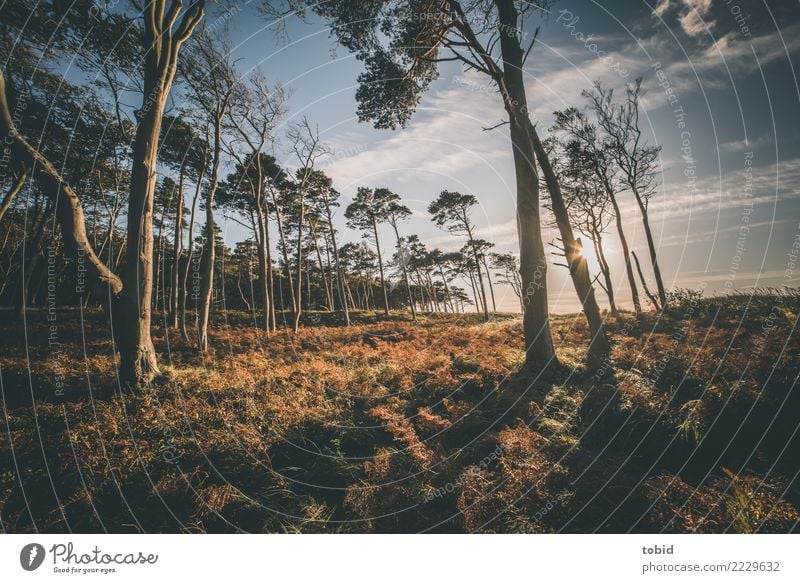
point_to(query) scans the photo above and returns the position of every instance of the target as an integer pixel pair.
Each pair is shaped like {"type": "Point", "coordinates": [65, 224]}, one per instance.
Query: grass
{"type": "Point", "coordinates": [391, 426]}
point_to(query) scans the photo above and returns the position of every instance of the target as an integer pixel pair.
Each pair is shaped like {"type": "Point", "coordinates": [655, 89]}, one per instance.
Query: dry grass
{"type": "Point", "coordinates": [401, 427]}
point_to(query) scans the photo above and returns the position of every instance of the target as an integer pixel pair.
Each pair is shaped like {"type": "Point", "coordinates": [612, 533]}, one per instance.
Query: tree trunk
{"type": "Point", "coordinates": [285, 251]}
{"type": "Point", "coordinates": [491, 287]}
{"type": "Point", "coordinates": [405, 271]}
{"type": "Point", "coordinates": [189, 256]}
{"type": "Point", "coordinates": [209, 249]}
{"type": "Point", "coordinates": [650, 296]}
{"type": "Point", "coordinates": [299, 276]}
{"type": "Point", "coordinates": [12, 193]}
{"type": "Point", "coordinates": [263, 275]}
{"type": "Point", "coordinates": [637, 304]}
{"type": "Point", "coordinates": [380, 266]}
{"type": "Point", "coordinates": [340, 281]}
{"type": "Point", "coordinates": [651, 246]}
{"type": "Point", "coordinates": [539, 350]}
{"type": "Point", "coordinates": [176, 255]}
{"type": "Point", "coordinates": [578, 266]}
{"type": "Point", "coordinates": [597, 240]}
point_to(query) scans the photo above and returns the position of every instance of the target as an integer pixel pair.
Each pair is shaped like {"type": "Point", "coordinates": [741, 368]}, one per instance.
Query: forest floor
{"type": "Point", "coordinates": [394, 426]}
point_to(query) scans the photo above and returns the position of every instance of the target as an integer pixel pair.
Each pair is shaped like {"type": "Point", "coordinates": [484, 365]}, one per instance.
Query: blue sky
{"type": "Point", "coordinates": [732, 75]}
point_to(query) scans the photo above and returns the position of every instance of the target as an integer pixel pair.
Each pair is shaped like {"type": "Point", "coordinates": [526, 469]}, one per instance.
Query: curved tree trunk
{"type": "Point", "coordinates": [12, 193]}
{"type": "Point", "coordinates": [578, 266]}
{"type": "Point", "coordinates": [189, 257]}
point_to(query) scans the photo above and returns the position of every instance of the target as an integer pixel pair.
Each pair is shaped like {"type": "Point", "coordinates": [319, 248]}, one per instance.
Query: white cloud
{"type": "Point", "coordinates": [693, 15]}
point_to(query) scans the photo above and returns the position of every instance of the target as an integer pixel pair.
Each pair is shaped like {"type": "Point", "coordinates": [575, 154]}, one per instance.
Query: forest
{"type": "Point", "coordinates": [331, 369]}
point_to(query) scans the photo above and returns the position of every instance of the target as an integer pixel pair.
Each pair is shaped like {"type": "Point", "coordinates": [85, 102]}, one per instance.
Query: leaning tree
{"type": "Point", "coordinates": [166, 27]}
{"type": "Point", "coordinates": [402, 43]}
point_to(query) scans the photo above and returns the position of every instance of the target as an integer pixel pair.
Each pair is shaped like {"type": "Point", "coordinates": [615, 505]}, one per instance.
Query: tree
{"type": "Point", "coordinates": [185, 151]}
{"type": "Point", "coordinates": [637, 160]}
{"type": "Point", "coordinates": [401, 51]}
{"type": "Point", "coordinates": [307, 149]}
{"type": "Point", "coordinates": [588, 205]}
{"type": "Point", "coordinates": [361, 262]}
{"type": "Point", "coordinates": [508, 266]}
{"type": "Point", "coordinates": [210, 75]}
{"type": "Point", "coordinates": [451, 210]}
{"type": "Point", "coordinates": [483, 246]}
{"type": "Point", "coordinates": [164, 33]}
{"type": "Point", "coordinates": [256, 110]}
{"type": "Point", "coordinates": [586, 153]}
{"type": "Point", "coordinates": [394, 213]}
{"type": "Point", "coordinates": [326, 198]}
{"type": "Point", "coordinates": [365, 213]}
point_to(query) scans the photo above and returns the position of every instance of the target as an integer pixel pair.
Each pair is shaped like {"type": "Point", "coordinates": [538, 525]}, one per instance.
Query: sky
{"type": "Point", "coordinates": [722, 99]}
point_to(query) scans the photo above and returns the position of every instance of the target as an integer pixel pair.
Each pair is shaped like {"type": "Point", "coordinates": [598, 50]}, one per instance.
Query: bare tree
{"type": "Point", "coordinates": [256, 111]}
{"type": "Point", "coordinates": [637, 160]}
{"type": "Point", "coordinates": [508, 267]}
{"type": "Point", "coordinates": [307, 149]}
{"type": "Point", "coordinates": [587, 153]}
{"type": "Point", "coordinates": [210, 75]}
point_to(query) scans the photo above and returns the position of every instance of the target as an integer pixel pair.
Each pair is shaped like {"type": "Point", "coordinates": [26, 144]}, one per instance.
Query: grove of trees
{"type": "Point", "coordinates": [120, 173]}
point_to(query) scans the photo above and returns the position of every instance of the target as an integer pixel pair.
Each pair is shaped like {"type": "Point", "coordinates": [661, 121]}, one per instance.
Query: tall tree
{"type": "Point", "coordinates": [401, 51]}
{"type": "Point", "coordinates": [185, 151]}
{"type": "Point", "coordinates": [395, 212]}
{"type": "Point", "coordinates": [636, 158]}
{"type": "Point", "coordinates": [508, 266]}
{"type": "Point", "coordinates": [209, 73]}
{"type": "Point", "coordinates": [256, 111]}
{"type": "Point", "coordinates": [451, 210]}
{"type": "Point", "coordinates": [365, 213]}
{"type": "Point", "coordinates": [307, 149]}
{"type": "Point", "coordinates": [163, 34]}
{"type": "Point", "coordinates": [326, 198]}
{"type": "Point", "coordinates": [585, 152]}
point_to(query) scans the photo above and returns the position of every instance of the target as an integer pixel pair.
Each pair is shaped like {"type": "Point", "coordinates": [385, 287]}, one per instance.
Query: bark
{"type": "Point", "coordinates": [405, 271]}
{"type": "Point", "coordinates": [138, 363]}
{"type": "Point", "coordinates": [13, 192]}
{"type": "Point", "coordinates": [539, 348]}
{"type": "Point", "coordinates": [380, 266]}
{"type": "Point", "coordinates": [189, 255]}
{"type": "Point", "coordinates": [578, 266]}
{"type": "Point", "coordinates": [650, 295]}
{"type": "Point", "coordinates": [176, 255]}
